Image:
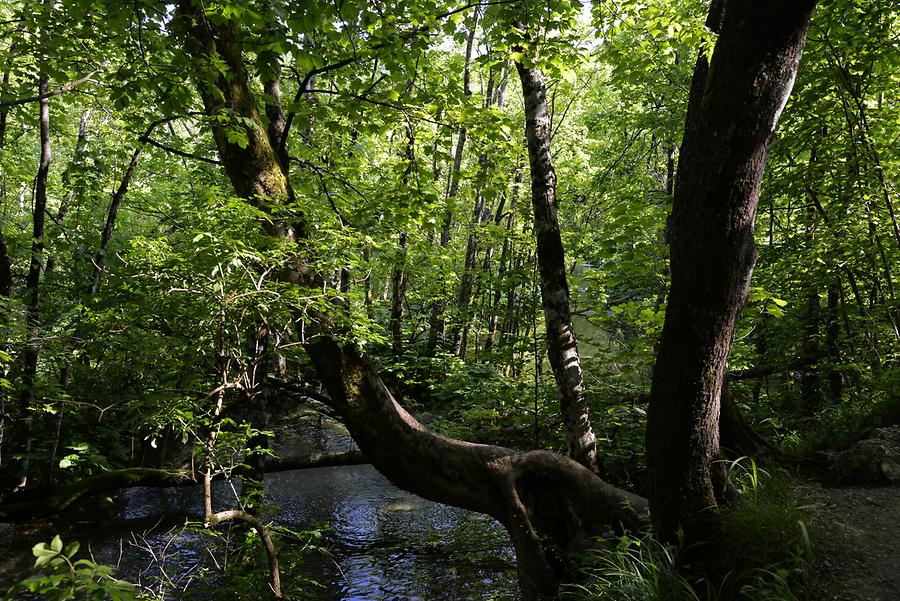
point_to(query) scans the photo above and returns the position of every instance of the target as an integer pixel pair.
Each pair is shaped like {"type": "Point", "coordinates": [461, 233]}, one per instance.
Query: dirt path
{"type": "Point", "coordinates": [856, 542]}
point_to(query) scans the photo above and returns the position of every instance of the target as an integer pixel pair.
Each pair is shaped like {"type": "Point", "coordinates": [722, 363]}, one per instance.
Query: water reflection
{"type": "Point", "coordinates": [384, 543]}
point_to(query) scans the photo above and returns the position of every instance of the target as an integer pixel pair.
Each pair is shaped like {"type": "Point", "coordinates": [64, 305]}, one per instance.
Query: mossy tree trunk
{"type": "Point", "coordinates": [550, 504]}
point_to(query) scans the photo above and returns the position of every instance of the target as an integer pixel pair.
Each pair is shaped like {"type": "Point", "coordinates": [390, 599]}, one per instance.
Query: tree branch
{"type": "Point", "coordinates": [57, 92]}
{"type": "Point", "coordinates": [181, 153]}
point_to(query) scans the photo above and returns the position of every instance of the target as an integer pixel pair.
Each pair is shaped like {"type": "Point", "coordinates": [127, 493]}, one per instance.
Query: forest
{"type": "Point", "coordinates": [449, 299]}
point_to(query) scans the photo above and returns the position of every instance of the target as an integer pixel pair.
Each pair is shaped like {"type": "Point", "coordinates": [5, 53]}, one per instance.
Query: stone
{"type": "Point", "coordinates": [873, 460]}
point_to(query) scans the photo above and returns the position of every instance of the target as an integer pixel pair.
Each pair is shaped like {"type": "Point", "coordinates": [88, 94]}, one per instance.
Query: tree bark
{"type": "Point", "coordinates": [550, 505]}
{"type": "Point", "coordinates": [562, 348]}
{"type": "Point", "coordinates": [734, 107]}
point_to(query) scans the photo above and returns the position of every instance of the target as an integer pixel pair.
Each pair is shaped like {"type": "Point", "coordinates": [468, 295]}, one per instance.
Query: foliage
{"type": "Point", "coordinates": [634, 569]}
{"type": "Point", "coordinates": [379, 102]}
{"type": "Point", "coordinates": [63, 577]}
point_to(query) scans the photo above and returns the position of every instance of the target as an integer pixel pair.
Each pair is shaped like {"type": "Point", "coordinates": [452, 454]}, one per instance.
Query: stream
{"type": "Point", "coordinates": [377, 542]}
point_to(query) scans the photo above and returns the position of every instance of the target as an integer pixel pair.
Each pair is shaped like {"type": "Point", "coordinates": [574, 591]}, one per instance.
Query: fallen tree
{"type": "Point", "coordinates": [42, 502]}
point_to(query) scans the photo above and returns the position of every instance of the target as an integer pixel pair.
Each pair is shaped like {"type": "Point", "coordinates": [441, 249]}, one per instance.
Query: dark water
{"type": "Point", "coordinates": [380, 543]}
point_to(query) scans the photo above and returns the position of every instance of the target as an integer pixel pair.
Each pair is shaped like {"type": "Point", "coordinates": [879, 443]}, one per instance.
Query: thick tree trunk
{"type": "Point", "coordinates": [550, 505]}
{"type": "Point", "coordinates": [734, 107]}
{"type": "Point", "coordinates": [562, 348]}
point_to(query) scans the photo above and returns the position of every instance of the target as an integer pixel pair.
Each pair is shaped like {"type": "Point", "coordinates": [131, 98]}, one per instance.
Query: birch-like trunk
{"type": "Point", "coordinates": [562, 349]}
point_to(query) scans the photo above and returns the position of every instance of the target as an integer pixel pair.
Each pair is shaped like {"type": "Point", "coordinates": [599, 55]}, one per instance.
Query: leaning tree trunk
{"type": "Point", "coordinates": [550, 504]}
{"type": "Point", "coordinates": [734, 106]}
{"type": "Point", "coordinates": [562, 348]}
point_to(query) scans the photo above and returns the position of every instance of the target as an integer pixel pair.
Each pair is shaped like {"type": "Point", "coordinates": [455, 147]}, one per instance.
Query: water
{"type": "Point", "coordinates": [381, 543]}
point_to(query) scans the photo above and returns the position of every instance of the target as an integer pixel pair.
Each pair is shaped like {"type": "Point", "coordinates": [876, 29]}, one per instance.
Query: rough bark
{"type": "Point", "coordinates": [734, 106]}
{"type": "Point", "coordinates": [228, 93]}
{"type": "Point", "coordinates": [562, 348]}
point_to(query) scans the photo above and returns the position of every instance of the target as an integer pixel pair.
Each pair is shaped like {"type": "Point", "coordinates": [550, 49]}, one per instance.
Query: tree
{"type": "Point", "coordinates": [534, 495]}
{"type": "Point", "coordinates": [561, 345]}
{"type": "Point", "coordinates": [306, 109]}
{"type": "Point", "coordinates": [736, 100]}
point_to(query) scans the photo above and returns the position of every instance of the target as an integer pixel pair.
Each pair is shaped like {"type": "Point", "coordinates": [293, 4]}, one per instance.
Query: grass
{"type": "Point", "coordinates": [769, 554]}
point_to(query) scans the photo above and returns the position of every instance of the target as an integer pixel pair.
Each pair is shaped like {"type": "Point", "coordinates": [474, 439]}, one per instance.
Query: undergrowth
{"type": "Point", "coordinates": [769, 554]}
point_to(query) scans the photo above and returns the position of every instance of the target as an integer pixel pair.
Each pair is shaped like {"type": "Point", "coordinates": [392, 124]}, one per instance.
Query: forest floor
{"type": "Point", "coordinates": [855, 534]}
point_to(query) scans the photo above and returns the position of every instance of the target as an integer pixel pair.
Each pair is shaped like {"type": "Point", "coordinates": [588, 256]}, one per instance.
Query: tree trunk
{"type": "Point", "coordinates": [398, 272]}
{"type": "Point", "coordinates": [832, 344]}
{"type": "Point", "coordinates": [109, 226]}
{"type": "Point", "coordinates": [504, 260]}
{"type": "Point", "coordinates": [32, 282]}
{"type": "Point", "coordinates": [494, 309]}
{"type": "Point", "coordinates": [398, 293]}
{"type": "Point", "coordinates": [436, 319]}
{"type": "Point", "coordinates": [78, 155]}
{"type": "Point", "coordinates": [734, 106]}
{"type": "Point", "coordinates": [550, 505]}
{"type": "Point", "coordinates": [562, 348]}
{"type": "Point", "coordinates": [464, 300]}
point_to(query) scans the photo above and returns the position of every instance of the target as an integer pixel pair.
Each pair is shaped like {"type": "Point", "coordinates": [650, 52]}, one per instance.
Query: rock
{"type": "Point", "coordinates": [890, 467]}
{"type": "Point", "coordinates": [873, 460]}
